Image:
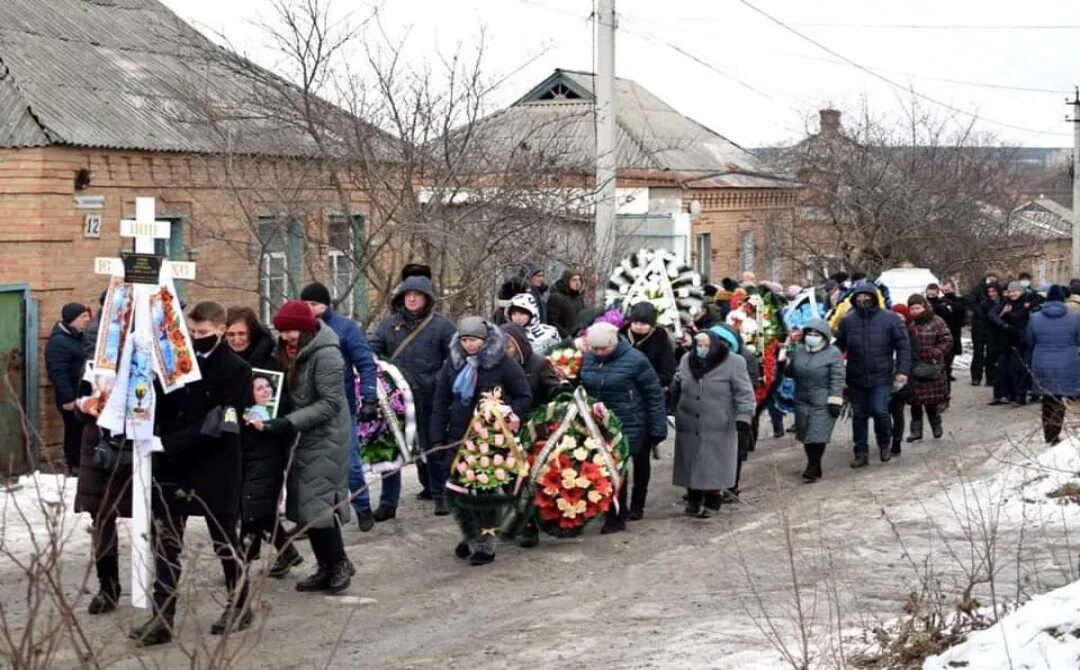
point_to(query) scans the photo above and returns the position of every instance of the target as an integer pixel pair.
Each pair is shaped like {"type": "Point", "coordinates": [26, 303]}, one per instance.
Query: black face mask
{"type": "Point", "coordinates": [204, 345]}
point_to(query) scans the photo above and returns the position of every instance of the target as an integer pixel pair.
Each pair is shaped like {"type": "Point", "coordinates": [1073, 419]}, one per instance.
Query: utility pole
{"type": "Point", "coordinates": [1075, 102]}
{"type": "Point", "coordinates": [604, 91]}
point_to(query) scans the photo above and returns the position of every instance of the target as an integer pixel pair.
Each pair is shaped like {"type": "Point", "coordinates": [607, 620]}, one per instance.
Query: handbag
{"type": "Point", "coordinates": [111, 453]}
{"type": "Point", "coordinates": [927, 372]}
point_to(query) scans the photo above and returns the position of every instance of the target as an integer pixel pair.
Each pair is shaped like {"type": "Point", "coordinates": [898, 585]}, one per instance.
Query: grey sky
{"type": "Point", "coordinates": [743, 75]}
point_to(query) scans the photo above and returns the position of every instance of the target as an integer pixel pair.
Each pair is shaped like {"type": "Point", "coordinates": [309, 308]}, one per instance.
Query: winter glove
{"type": "Point", "coordinates": [369, 410]}
{"type": "Point", "coordinates": [742, 426]}
{"type": "Point", "coordinates": [834, 411]}
{"type": "Point", "coordinates": [277, 426]}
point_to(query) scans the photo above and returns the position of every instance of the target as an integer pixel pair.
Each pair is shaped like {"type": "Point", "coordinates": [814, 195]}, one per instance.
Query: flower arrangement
{"type": "Point", "coordinates": [172, 346]}
{"type": "Point", "coordinates": [660, 277]}
{"type": "Point", "coordinates": [757, 315]}
{"type": "Point", "coordinates": [567, 362]}
{"type": "Point", "coordinates": [490, 458]}
{"type": "Point", "coordinates": [387, 442]}
{"type": "Point", "coordinates": [578, 459]}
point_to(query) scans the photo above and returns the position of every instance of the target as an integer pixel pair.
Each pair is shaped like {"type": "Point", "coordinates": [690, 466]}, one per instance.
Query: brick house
{"type": "Point", "coordinates": [100, 103]}
{"type": "Point", "coordinates": [679, 184]}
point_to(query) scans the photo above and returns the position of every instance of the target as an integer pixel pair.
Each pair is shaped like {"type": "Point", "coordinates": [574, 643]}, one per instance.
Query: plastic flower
{"type": "Point", "coordinates": [569, 478]}
{"type": "Point", "coordinates": [470, 445]}
{"type": "Point", "coordinates": [499, 439]}
{"type": "Point", "coordinates": [510, 461]}
{"type": "Point", "coordinates": [571, 509]}
{"type": "Point", "coordinates": [482, 478]}
{"type": "Point", "coordinates": [485, 462]}
{"type": "Point", "coordinates": [581, 453]}
{"type": "Point", "coordinates": [470, 475]}
{"type": "Point", "coordinates": [484, 448]}
{"type": "Point", "coordinates": [595, 497]}
{"type": "Point", "coordinates": [462, 466]}
{"type": "Point", "coordinates": [500, 474]}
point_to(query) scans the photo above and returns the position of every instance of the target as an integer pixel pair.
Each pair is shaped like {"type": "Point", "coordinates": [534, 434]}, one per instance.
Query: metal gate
{"type": "Point", "coordinates": [18, 380]}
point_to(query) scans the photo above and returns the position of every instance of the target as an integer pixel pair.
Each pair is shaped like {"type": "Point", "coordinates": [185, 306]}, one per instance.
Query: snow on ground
{"type": "Point", "coordinates": [1044, 634]}
{"type": "Point", "coordinates": [36, 508]}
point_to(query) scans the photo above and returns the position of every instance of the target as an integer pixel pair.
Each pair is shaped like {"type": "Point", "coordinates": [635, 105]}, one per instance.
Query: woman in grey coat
{"type": "Point", "coordinates": [318, 491]}
{"type": "Point", "coordinates": [713, 399]}
{"type": "Point", "coordinates": [818, 370]}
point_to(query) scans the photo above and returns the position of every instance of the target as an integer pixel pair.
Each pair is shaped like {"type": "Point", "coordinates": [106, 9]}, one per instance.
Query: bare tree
{"type": "Point", "coordinates": [925, 189]}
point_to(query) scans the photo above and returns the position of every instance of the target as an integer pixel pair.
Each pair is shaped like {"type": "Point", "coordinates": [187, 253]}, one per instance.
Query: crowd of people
{"type": "Point", "coordinates": [885, 364]}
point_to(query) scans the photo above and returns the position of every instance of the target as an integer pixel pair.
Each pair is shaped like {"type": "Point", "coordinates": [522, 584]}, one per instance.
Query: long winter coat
{"type": "Point", "coordinates": [318, 479]}
{"type": "Point", "coordinates": [1008, 329]}
{"type": "Point", "coordinates": [875, 342]}
{"type": "Point", "coordinates": [64, 361]}
{"type": "Point", "coordinates": [627, 384]}
{"type": "Point", "coordinates": [422, 359]}
{"type": "Point", "coordinates": [265, 455]}
{"type": "Point", "coordinates": [932, 341]}
{"type": "Point", "coordinates": [99, 491]}
{"type": "Point", "coordinates": [1054, 337]}
{"type": "Point", "coordinates": [450, 417]}
{"type": "Point", "coordinates": [819, 379]}
{"type": "Point", "coordinates": [207, 468]}
{"type": "Point", "coordinates": [958, 318]}
{"type": "Point", "coordinates": [706, 439]}
{"type": "Point", "coordinates": [659, 349]}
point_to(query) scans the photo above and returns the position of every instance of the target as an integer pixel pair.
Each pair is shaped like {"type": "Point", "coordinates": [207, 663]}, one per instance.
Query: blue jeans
{"type": "Point", "coordinates": [361, 498]}
{"type": "Point", "coordinates": [866, 403]}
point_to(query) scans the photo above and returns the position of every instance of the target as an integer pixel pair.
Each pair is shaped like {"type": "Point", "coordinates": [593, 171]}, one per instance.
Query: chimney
{"type": "Point", "coordinates": [829, 126]}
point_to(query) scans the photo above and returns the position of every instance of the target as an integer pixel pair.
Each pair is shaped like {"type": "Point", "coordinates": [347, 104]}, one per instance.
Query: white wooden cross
{"type": "Point", "coordinates": [145, 229]}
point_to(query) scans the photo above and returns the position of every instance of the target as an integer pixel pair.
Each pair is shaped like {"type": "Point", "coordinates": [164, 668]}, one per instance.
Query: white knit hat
{"type": "Point", "coordinates": [602, 335]}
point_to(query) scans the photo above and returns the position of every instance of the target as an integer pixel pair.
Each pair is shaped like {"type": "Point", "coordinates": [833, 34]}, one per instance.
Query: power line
{"type": "Point", "coordinates": [881, 77]}
{"type": "Point", "coordinates": [935, 26]}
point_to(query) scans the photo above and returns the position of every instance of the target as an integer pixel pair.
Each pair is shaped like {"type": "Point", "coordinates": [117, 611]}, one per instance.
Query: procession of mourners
{"type": "Point", "coordinates": [535, 420]}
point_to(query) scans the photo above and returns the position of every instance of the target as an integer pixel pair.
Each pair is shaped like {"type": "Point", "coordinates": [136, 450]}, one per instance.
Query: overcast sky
{"type": "Point", "coordinates": [742, 74]}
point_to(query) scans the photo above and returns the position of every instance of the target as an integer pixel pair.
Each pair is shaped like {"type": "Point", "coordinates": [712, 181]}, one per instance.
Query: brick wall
{"type": "Point", "coordinates": [42, 243]}
{"type": "Point", "coordinates": [766, 215]}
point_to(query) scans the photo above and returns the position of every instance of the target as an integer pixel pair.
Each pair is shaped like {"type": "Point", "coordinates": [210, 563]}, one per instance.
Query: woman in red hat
{"type": "Point", "coordinates": [318, 491]}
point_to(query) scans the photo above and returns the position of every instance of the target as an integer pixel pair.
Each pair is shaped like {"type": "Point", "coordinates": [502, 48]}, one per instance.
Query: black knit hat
{"type": "Point", "coordinates": [415, 270]}
{"type": "Point", "coordinates": [316, 292]}
{"type": "Point", "coordinates": [643, 312]}
{"type": "Point", "coordinates": [72, 311]}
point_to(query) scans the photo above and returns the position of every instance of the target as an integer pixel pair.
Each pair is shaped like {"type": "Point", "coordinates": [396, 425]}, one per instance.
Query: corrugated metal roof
{"type": "Point", "coordinates": [129, 74]}
{"type": "Point", "coordinates": [651, 135]}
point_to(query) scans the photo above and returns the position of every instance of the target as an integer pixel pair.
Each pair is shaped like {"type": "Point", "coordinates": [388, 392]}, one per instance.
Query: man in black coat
{"type": "Point", "coordinates": [1008, 324]}
{"type": "Point", "coordinates": [416, 339]}
{"type": "Point", "coordinates": [64, 361]}
{"type": "Point", "coordinates": [199, 473]}
{"type": "Point", "coordinates": [978, 305]}
{"type": "Point", "coordinates": [953, 313]}
{"type": "Point", "coordinates": [566, 302]}
{"type": "Point", "coordinates": [878, 352]}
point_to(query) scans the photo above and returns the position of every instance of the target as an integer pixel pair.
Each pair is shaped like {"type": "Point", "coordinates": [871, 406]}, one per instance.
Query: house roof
{"type": "Point", "coordinates": [1043, 218]}
{"type": "Point", "coordinates": [557, 118]}
{"type": "Point", "coordinates": [130, 74]}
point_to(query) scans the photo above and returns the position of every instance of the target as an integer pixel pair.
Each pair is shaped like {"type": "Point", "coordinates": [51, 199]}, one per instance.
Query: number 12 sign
{"type": "Point", "coordinates": [92, 226]}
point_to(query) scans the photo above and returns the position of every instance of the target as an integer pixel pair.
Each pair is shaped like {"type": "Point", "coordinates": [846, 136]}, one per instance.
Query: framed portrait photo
{"type": "Point", "coordinates": [266, 388]}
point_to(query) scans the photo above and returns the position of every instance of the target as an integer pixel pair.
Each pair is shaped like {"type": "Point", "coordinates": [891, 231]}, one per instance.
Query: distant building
{"type": "Point", "coordinates": [680, 185]}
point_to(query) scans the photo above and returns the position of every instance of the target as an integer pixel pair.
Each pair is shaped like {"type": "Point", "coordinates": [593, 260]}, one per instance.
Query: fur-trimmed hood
{"type": "Point", "coordinates": [490, 356]}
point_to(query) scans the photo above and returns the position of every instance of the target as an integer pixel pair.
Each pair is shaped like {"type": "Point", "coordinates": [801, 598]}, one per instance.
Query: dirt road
{"type": "Point", "coordinates": [672, 592]}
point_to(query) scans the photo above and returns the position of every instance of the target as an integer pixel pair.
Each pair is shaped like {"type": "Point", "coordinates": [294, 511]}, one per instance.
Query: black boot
{"type": "Point", "coordinates": [316, 582]}
{"type": "Point", "coordinates": [442, 507]}
{"type": "Point", "coordinates": [154, 632]}
{"type": "Point", "coordinates": [340, 577]}
{"type": "Point", "coordinates": [462, 550]}
{"type": "Point", "coordinates": [896, 449]}
{"type": "Point", "coordinates": [530, 536]}
{"type": "Point", "coordinates": [714, 499]}
{"type": "Point", "coordinates": [808, 473]}
{"type": "Point", "coordinates": [936, 429]}
{"type": "Point", "coordinates": [384, 513]}
{"type": "Point", "coordinates": [365, 520]}
{"type": "Point", "coordinates": [288, 559]}
{"type": "Point", "coordinates": [232, 620]}
{"type": "Point", "coordinates": [108, 595]}
{"type": "Point", "coordinates": [915, 432]}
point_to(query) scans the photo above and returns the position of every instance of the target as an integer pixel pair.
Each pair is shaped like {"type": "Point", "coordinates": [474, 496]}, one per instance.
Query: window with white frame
{"type": "Point", "coordinates": [273, 265]}
{"type": "Point", "coordinates": [746, 250]}
{"type": "Point", "coordinates": [703, 253]}
{"type": "Point", "coordinates": [340, 256]}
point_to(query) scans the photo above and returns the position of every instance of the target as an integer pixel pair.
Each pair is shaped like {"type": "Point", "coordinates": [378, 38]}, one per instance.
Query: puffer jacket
{"type": "Point", "coordinates": [876, 343]}
{"type": "Point", "coordinates": [64, 361]}
{"type": "Point", "coordinates": [450, 416]}
{"type": "Point", "coordinates": [422, 359]}
{"type": "Point", "coordinates": [1054, 338]}
{"type": "Point", "coordinates": [627, 384]}
{"type": "Point", "coordinates": [819, 382]}
{"type": "Point", "coordinates": [318, 479]}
